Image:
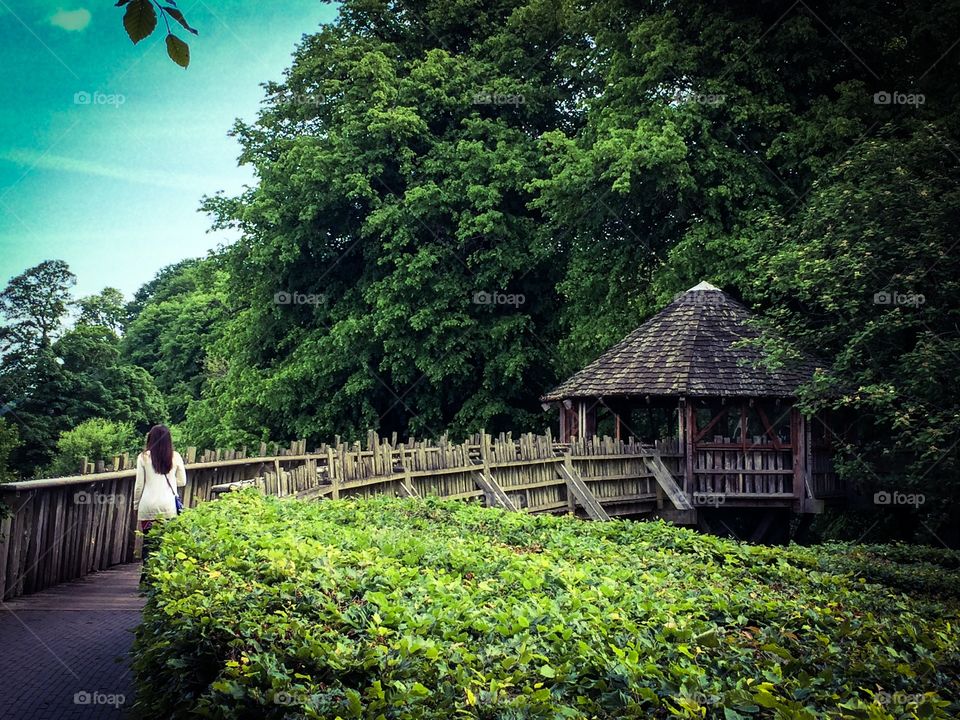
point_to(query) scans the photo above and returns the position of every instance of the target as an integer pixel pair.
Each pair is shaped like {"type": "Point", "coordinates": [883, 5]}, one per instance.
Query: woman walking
{"type": "Point", "coordinates": [160, 474]}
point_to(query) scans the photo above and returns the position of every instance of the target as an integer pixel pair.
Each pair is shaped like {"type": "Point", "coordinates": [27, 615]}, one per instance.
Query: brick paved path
{"type": "Point", "coordinates": [68, 644]}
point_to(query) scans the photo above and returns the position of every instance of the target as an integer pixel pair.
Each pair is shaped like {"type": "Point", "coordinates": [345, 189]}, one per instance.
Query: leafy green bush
{"type": "Point", "coordinates": [94, 439]}
{"type": "Point", "coordinates": [267, 608]}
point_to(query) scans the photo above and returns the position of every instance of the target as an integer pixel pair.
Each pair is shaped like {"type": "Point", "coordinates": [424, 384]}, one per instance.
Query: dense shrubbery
{"type": "Point", "coordinates": [262, 608]}
{"type": "Point", "coordinates": [95, 439]}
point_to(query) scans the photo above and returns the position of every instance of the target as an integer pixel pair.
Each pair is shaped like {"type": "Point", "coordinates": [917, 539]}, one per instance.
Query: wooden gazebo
{"type": "Point", "coordinates": [686, 381]}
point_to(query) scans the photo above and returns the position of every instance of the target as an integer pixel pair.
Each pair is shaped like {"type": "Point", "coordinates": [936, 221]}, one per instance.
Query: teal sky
{"type": "Point", "coordinates": [112, 187]}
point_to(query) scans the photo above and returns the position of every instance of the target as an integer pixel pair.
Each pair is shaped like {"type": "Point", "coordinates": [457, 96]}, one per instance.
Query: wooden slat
{"type": "Point", "coordinates": [493, 490]}
{"type": "Point", "coordinates": [580, 490]}
{"type": "Point", "coordinates": [5, 526]}
{"type": "Point", "coordinates": [667, 484]}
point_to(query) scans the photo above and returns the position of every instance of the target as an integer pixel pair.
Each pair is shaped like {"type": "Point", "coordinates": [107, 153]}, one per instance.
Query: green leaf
{"type": "Point", "coordinates": [354, 704]}
{"type": "Point", "coordinates": [139, 20]}
{"type": "Point", "coordinates": [178, 16]}
{"type": "Point", "coordinates": [178, 51]}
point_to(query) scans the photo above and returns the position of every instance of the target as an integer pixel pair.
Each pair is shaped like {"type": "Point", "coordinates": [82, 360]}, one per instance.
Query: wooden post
{"type": "Point", "coordinates": [332, 475]}
{"type": "Point", "coordinates": [798, 433]}
{"type": "Point", "coordinates": [690, 456]}
{"type": "Point", "coordinates": [589, 419]}
{"type": "Point", "coordinates": [743, 444]}
{"type": "Point", "coordinates": [485, 457]}
{"type": "Point", "coordinates": [5, 525]}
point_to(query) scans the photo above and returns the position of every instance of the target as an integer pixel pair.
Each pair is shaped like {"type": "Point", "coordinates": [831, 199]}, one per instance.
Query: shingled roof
{"type": "Point", "coordinates": [687, 349]}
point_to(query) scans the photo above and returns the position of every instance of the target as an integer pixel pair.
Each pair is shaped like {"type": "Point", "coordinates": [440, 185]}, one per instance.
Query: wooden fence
{"type": "Point", "coordinates": [62, 528]}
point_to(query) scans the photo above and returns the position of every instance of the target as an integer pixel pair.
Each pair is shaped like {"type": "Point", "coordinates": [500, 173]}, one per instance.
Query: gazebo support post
{"type": "Point", "coordinates": [689, 452]}
{"type": "Point", "coordinates": [798, 434]}
{"type": "Point", "coordinates": [568, 422]}
{"type": "Point", "coordinates": [588, 417]}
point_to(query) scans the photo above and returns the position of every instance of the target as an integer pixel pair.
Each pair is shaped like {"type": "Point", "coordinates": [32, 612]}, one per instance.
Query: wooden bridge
{"type": "Point", "coordinates": [60, 529]}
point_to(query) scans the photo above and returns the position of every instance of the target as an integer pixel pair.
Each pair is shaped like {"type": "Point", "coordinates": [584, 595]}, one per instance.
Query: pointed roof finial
{"type": "Point", "coordinates": [704, 285]}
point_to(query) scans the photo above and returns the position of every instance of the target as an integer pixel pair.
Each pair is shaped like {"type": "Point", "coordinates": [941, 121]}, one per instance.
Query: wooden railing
{"type": "Point", "coordinates": [63, 528]}
{"type": "Point", "coordinates": [58, 529]}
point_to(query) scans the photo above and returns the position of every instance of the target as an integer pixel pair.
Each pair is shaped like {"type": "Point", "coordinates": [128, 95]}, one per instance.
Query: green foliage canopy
{"type": "Point", "coordinates": [9, 439]}
{"type": "Point", "coordinates": [94, 440]}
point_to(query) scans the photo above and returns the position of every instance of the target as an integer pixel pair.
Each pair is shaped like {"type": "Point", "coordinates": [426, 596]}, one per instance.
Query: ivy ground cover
{"type": "Point", "coordinates": [385, 608]}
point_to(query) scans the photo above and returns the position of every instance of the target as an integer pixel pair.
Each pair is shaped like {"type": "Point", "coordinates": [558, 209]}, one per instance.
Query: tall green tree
{"type": "Point", "coordinates": [702, 119]}
{"type": "Point", "coordinates": [97, 383]}
{"type": "Point", "coordinates": [865, 275]}
{"type": "Point", "coordinates": [395, 164]}
{"type": "Point", "coordinates": [177, 316]}
{"type": "Point", "coordinates": [34, 399]}
{"type": "Point", "coordinates": [594, 158]}
{"type": "Point", "coordinates": [106, 309]}
{"type": "Point", "coordinates": [53, 378]}
{"type": "Point", "coordinates": [33, 306]}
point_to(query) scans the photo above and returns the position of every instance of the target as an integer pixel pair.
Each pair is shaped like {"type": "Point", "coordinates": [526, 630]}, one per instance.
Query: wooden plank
{"type": "Point", "coordinates": [494, 491]}
{"type": "Point", "coordinates": [5, 526]}
{"type": "Point", "coordinates": [470, 495]}
{"type": "Point", "coordinates": [54, 541]}
{"type": "Point", "coordinates": [36, 550]}
{"type": "Point", "coordinates": [667, 484]}
{"type": "Point", "coordinates": [580, 490]}
{"type": "Point", "coordinates": [713, 471]}
{"type": "Point", "coordinates": [332, 475]}
{"type": "Point", "coordinates": [314, 493]}
{"type": "Point", "coordinates": [14, 555]}
{"type": "Point", "coordinates": [406, 486]}
{"type": "Point", "coordinates": [408, 490]}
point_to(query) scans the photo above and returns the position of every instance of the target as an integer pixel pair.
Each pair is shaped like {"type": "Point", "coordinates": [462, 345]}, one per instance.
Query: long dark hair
{"type": "Point", "coordinates": [160, 445]}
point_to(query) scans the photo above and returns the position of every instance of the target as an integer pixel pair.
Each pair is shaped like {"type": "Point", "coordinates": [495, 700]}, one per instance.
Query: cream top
{"type": "Point", "coordinates": [152, 495]}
